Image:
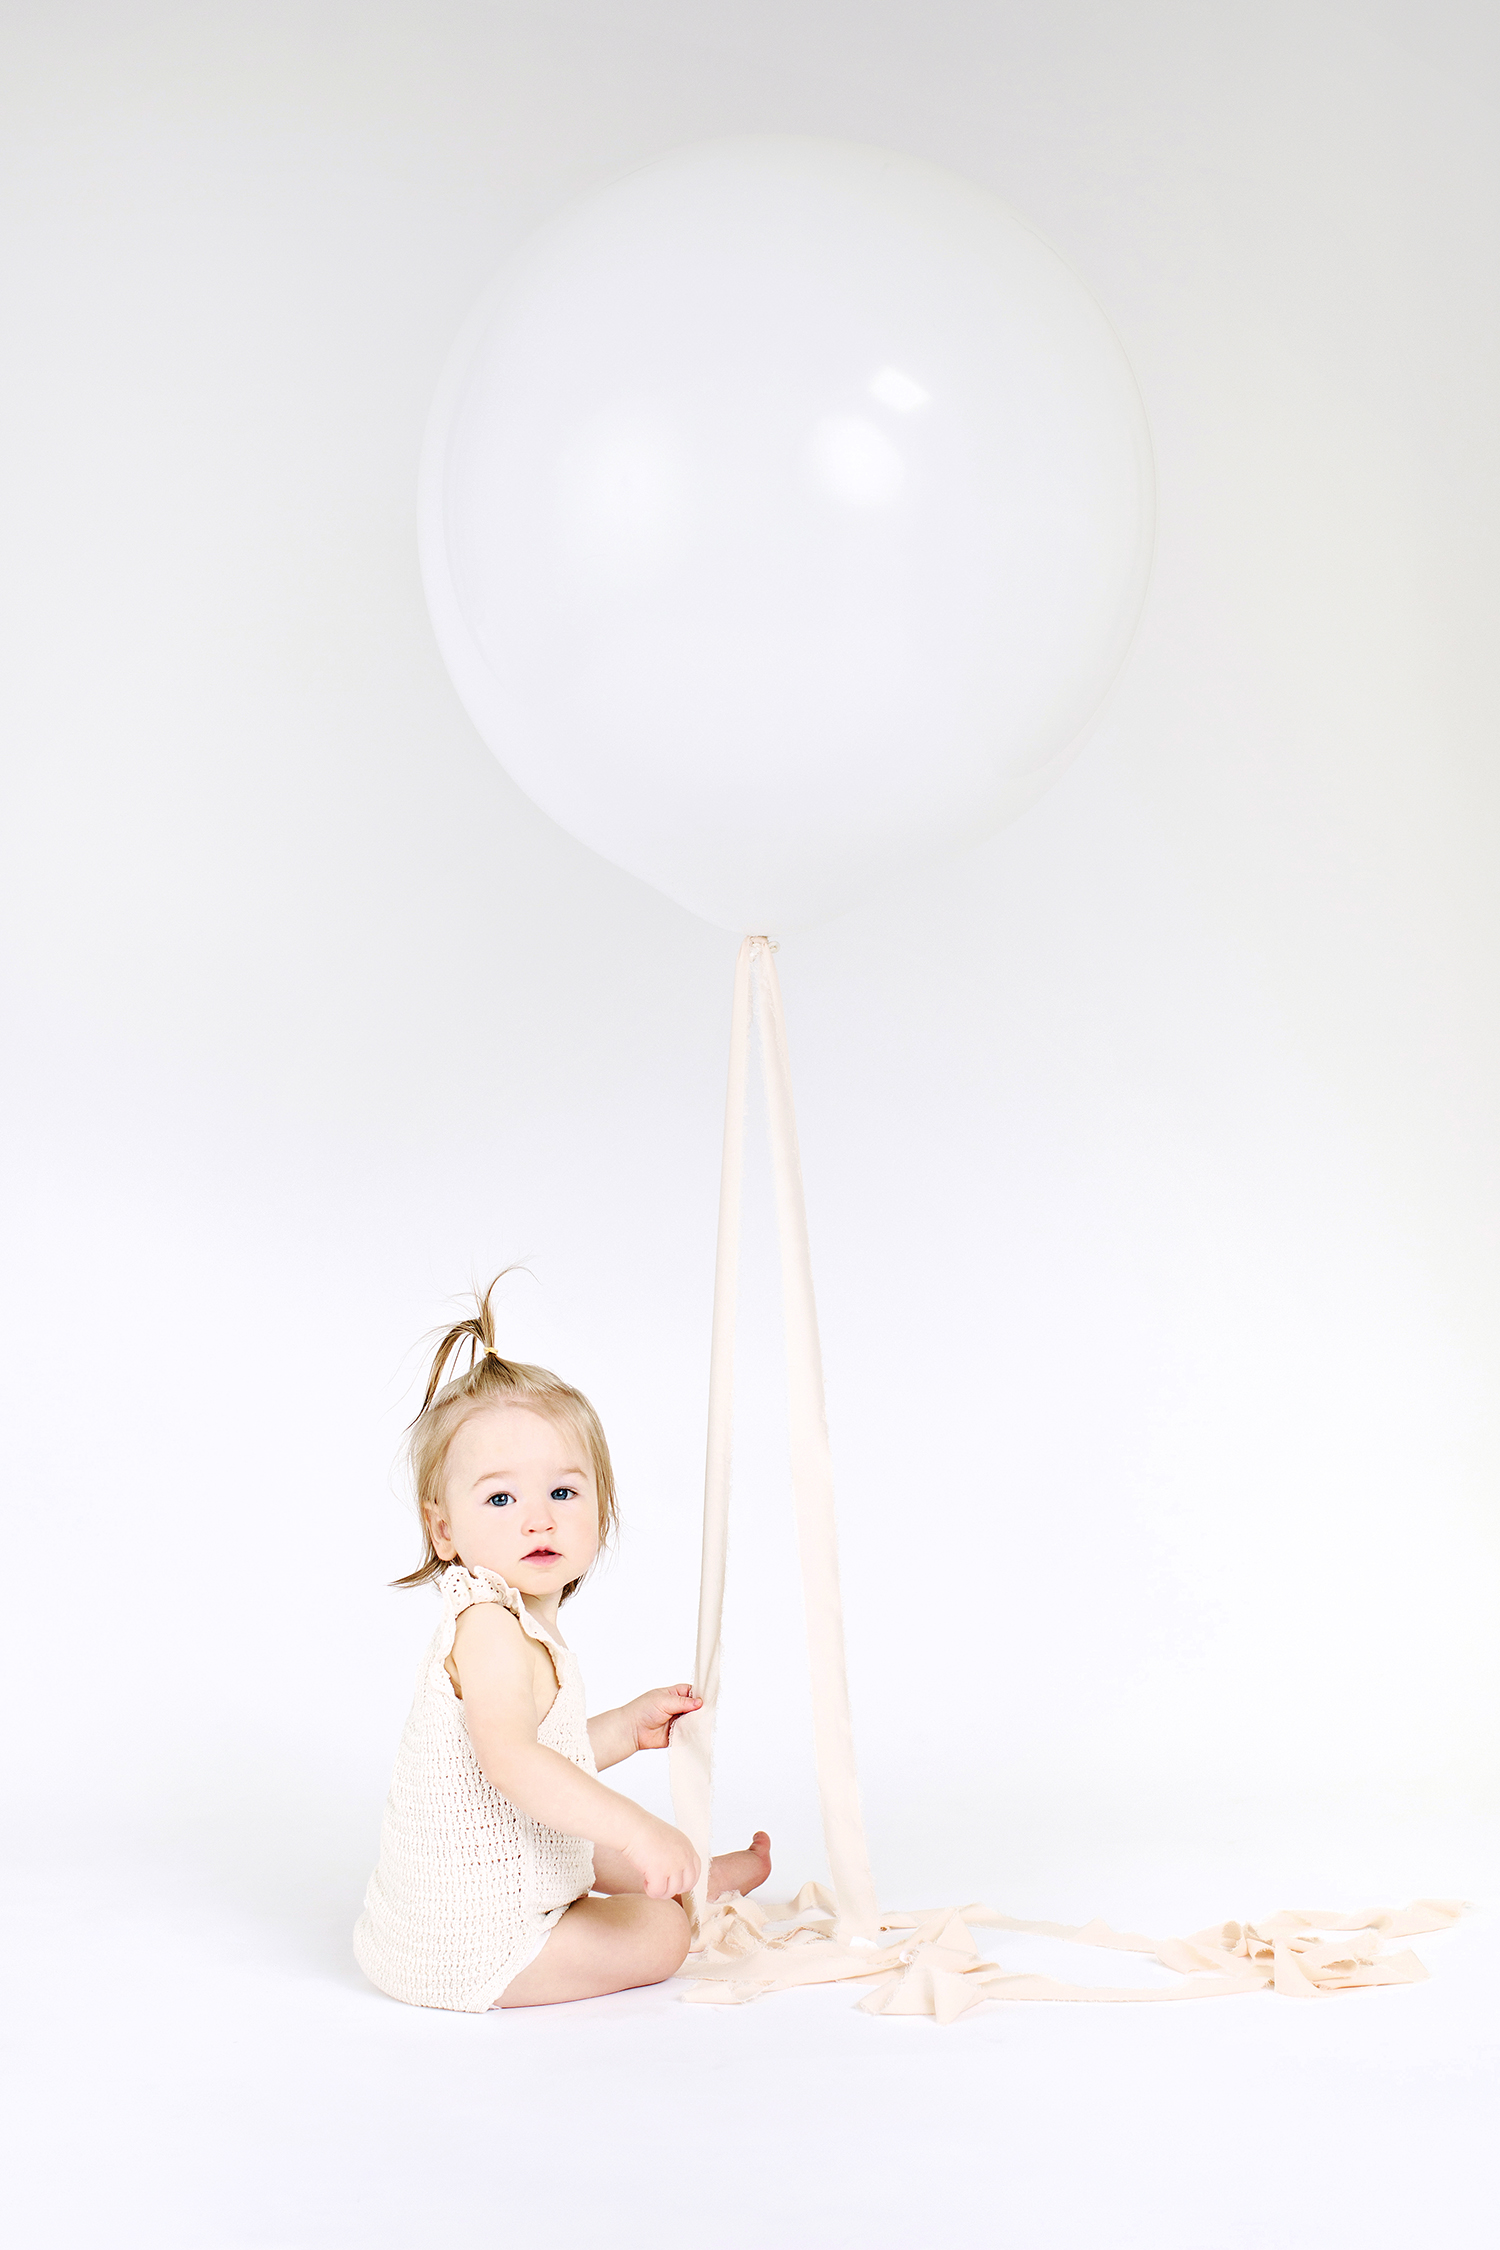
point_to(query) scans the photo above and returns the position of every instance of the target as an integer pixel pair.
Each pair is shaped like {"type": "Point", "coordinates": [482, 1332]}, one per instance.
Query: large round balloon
{"type": "Point", "coordinates": [786, 514]}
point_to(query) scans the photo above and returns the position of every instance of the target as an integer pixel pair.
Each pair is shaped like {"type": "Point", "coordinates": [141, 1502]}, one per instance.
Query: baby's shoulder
{"type": "Point", "coordinates": [492, 1651]}
{"type": "Point", "coordinates": [489, 1624]}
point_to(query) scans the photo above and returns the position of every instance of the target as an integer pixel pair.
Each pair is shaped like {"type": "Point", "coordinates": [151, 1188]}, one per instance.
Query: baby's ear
{"type": "Point", "coordinates": [441, 1537]}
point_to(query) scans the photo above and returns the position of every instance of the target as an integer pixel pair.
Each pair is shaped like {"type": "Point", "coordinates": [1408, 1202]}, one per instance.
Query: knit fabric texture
{"type": "Point", "coordinates": [468, 1887]}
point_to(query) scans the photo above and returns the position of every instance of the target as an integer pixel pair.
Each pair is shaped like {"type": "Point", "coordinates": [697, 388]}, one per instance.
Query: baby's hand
{"type": "Point", "coordinates": [651, 1715]}
{"type": "Point", "coordinates": [667, 1862]}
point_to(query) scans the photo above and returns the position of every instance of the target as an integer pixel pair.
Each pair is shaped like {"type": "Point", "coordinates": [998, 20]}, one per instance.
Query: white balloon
{"type": "Point", "coordinates": [786, 514]}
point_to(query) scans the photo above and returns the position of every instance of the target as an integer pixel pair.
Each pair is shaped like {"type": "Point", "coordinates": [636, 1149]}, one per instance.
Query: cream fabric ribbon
{"type": "Point", "coordinates": [924, 1963]}
{"type": "Point", "coordinates": [934, 1967]}
{"type": "Point", "coordinates": [757, 993]}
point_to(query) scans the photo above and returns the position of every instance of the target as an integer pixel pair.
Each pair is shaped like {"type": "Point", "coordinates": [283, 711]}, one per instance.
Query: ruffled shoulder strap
{"type": "Point", "coordinates": [461, 1588]}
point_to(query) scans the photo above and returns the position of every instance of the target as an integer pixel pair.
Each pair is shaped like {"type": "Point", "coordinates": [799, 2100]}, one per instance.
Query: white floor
{"type": "Point", "coordinates": [194, 2070]}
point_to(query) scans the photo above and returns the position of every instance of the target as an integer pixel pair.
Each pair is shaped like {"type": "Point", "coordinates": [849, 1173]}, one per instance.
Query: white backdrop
{"type": "Point", "coordinates": [1149, 1148]}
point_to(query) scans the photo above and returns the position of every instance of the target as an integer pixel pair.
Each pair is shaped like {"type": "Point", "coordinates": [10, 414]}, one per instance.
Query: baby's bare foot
{"type": "Point", "coordinates": [741, 1871]}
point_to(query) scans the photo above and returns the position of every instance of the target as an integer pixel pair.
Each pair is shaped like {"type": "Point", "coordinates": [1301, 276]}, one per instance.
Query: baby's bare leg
{"type": "Point", "coordinates": [603, 1945]}
{"type": "Point", "coordinates": [731, 1871]}
{"type": "Point", "coordinates": [741, 1871]}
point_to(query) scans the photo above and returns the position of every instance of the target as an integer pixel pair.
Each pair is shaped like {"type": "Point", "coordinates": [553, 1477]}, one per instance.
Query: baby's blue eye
{"type": "Point", "coordinates": [499, 1500]}
{"type": "Point", "coordinates": [563, 1492]}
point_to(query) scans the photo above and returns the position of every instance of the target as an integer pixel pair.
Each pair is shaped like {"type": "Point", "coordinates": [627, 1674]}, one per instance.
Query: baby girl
{"type": "Point", "coordinates": [509, 1875]}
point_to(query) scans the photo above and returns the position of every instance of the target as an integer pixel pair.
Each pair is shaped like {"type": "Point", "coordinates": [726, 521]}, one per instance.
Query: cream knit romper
{"type": "Point", "coordinates": [468, 1887]}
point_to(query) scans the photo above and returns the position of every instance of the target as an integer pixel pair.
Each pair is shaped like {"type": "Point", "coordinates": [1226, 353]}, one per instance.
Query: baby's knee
{"type": "Point", "coordinates": [667, 1936]}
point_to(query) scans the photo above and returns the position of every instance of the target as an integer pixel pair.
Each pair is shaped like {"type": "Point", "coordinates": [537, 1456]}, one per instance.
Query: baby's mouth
{"type": "Point", "coordinates": [542, 1555]}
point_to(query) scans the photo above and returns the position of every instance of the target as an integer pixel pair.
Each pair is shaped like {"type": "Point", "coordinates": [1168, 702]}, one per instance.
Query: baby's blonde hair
{"type": "Point", "coordinates": [490, 1380]}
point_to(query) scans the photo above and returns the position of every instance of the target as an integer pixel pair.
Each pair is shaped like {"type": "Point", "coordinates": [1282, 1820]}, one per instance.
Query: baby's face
{"type": "Point", "coordinates": [519, 1498]}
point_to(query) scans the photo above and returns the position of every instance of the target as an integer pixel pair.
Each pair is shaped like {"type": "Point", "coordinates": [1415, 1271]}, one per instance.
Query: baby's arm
{"type": "Point", "coordinates": [645, 1723]}
{"type": "Point", "coordinates": [495, 1667]}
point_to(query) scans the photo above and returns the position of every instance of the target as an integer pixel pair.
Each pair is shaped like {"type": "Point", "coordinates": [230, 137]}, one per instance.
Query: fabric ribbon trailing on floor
{"type": "Point", "coordinates": [936, 1969]}
{"type": "Point", "coordinates": [924, 1963]}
